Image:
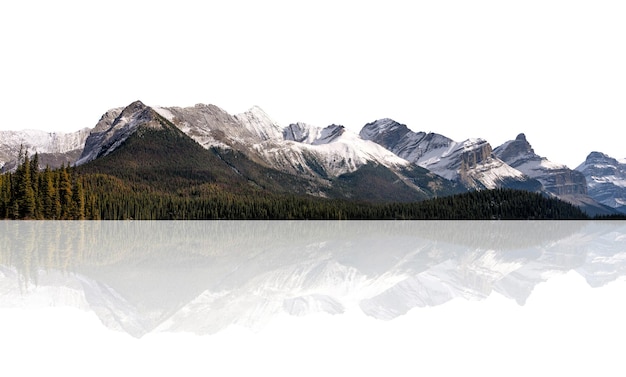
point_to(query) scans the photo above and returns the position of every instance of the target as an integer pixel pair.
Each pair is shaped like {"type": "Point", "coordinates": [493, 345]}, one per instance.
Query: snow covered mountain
{"type": "Point", "coordinates": [325, 154]}
{"type": "Point", "coordinates": [606, 179]}
{"type": "Point", "coordinates": [470, 162]}
{"type": "Point", "coordinates": [317, 152]}
{"type": "Point", "coordinates": [555, 178]}
{"type": "Point", "coordinates": [54, 148]}
{"type": "Point", "coordinates": [330, 158]}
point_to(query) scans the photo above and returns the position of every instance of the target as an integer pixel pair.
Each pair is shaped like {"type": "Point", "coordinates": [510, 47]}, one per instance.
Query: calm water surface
{"type": "Point", "coordinates": [311, 298]}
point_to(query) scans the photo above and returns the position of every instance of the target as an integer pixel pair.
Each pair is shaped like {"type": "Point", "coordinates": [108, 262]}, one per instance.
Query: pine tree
{"type": "Point", "coordinates": [25, 194]}
{"type": "Point", "coordinates": [78, 198]}
{"type": "Point", "coordinates": [65, 193]}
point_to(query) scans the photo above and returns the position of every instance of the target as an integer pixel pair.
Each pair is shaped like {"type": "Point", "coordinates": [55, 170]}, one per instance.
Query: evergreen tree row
{"type": "Point", "coordinates": [29, 193]}
{"type": "Point", "coordinates": [64, 193]}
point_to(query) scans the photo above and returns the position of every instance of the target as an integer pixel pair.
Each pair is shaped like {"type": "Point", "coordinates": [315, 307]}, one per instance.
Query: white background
{"type": "Point", "coordinates": [492, 69]}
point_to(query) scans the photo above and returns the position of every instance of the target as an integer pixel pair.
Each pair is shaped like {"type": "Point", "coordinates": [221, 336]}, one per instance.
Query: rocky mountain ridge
{"type": "Point", "coordinates": [321, 154]}
{"type": "Point", "coordinates": [54, 148]}
{"type": "Point", "coordinates": [471, 161]}
{"type": "Point", "coordinates": [606, 179]}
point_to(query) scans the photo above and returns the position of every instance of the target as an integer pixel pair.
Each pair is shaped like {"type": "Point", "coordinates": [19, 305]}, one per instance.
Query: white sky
{"type": "Point", "coordinates": [555, 70]}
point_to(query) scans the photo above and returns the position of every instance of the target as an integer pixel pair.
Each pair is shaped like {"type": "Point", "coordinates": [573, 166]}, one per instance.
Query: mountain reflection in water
{"type": "Point", "coordinates": [312, 298]}
{"type": "Point", "coordinates": [202, 277]}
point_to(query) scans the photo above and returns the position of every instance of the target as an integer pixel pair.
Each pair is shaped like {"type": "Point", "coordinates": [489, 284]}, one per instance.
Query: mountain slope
{"type": "Point", "coordinates": [318, 154]}
{"type": "Point", "coordinates": [606, 179]}
{"type": "Point", "coordinates": [140, 144]}
{"type": "Point", "coordinates": [470, 162]}
{"type": "Point", "coordinates": [143, 147]}
{"type": "Point", "coordinates": [557, 179]}
{"type": "Point", "coordinates": [54, 148]}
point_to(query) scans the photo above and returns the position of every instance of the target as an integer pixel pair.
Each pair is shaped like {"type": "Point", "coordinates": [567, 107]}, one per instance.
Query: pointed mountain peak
{"type": "Point", "coordinates": [329, 134]}
{"type": "Point", "coordinates": [377, 128]}
{"type": "Point", "coordinates": [260, 124]}
{"type": "Point", "coordinates": [516, 150]}
{"type": "Point", "coordinates": [597, 156]}
{"type": "Point", "coordinates": [300, 132]}
{"type": "Point", "coordinates": [110, 134]}
{"type": "Point", "coordinates": [136, 105]}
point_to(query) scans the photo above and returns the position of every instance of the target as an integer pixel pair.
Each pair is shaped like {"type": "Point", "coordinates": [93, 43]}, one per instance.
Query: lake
{"type": "Point", "coordinates": [313, 297]}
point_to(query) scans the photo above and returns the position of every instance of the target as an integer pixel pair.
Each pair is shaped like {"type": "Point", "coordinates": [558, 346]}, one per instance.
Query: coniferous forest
{"type": "Point", "coordinates": [69, 193]}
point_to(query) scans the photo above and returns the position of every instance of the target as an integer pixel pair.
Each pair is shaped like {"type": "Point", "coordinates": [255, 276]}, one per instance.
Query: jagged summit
{"type": "Point", "coordinates": [110, 134]}
{"type": "Point", "coordinates": [556, 178]}
{"type": "Point", "coordinates": [301, 132]}
{"type": "Point", "coordinates": [606, 179]}
{"type": "Point", "coordinates": [595, 156]}
{"type": "Point", "coordinates": [470, 161]}
{"type": "Point", "coordinates": [514, 151]}
{"type": "Point", "coordinates": [53, 148]}
{"type": "Point", "coordinates": [260, 124]}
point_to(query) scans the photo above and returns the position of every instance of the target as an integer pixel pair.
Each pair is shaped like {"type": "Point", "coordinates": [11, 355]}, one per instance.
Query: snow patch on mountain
{"type": "Point", "coordinates": [606, 179]}
{"type": "Point", "coordinates": [470, 161]}
{"type": "Point", "coordinates": [260, 124]}
{"type": "Point", "coordinates": [107, 135]}
{"type": "Point", "coordinates": [301, 132]}
{"type": "Point", "coordinates": [555, 178]}
{"type": "Point", "coordinates": [332, 149]}
{"type": "Point", "coordinates": [41, 142]}
{"type": "Point", "coordinates": [165, 113]}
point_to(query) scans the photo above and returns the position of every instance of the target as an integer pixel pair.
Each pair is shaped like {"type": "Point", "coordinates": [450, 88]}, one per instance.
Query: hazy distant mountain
{"type": "Point", "coordinates": [606, 179]}
{"type": "Point", "coordinates": [54, 148]}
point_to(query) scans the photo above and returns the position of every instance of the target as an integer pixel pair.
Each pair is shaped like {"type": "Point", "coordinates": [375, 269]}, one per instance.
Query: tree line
{"type": "Point", "coordinates": [66, 194]}
{"type": "Point", "coordinates": [30, 193]}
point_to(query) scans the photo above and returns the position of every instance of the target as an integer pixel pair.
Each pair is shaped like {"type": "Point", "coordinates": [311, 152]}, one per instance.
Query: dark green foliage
{"type": "Point", "coordinates": [375, 183]}
{"type": "Point", "coordinates": [103, 196]}
{"type": "Point", "coordinates": [160, 173]}
{"type": "Point", "coordinates": [497, 204]}
{"type": "Point", "coordinates": [31, 194]}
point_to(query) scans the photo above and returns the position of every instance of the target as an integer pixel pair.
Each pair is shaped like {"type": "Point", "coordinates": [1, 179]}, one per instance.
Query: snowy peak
{"type": "Point", "coordinates": [606, 178]}
{"type": "Point", "coordinates": [470, 162]}
{"type": "Point", "coordinates": [329, 134]}
{"type": "Point", "coordinates": [54, 148]}
{"type": "Point", "coordinates": [260, 124]}
{"type": "Point", "coordinates": [307, 134]}
{"type": "Point", "coordinates": [398, 138]}
{"type": "Point", "coordinates": [555, 178]}
{"type": "Point", "coordinates": [601, 159]}
{"type": "Point", "coordinates": [384, 129]}
{"type": "Point", "coordinates": [513, 150]}
{"type": "Point", "coordinates": [107, 135]}
{"type": "Point", "coordinates": [301, 132]}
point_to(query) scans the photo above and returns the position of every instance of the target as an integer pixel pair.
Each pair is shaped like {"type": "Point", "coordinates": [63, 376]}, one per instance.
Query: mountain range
{"type": "Point", "coordinates": [385, 161]}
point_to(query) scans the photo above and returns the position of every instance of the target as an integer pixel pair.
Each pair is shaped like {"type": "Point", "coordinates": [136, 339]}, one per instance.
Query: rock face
{"type": "Point", "coordinates": [316, 152]}
{"type": "Point", "coordinates": [115, 127]}
{"type": "Point", "coordinates": [320, 155]}
{"type": "Point", "coordinates": [606, 179]}
{"type": "Point", "coordinates": [471, 162]}
{"type": "Point", "coordinates": [555, 178]}
{"type": "Point", "coordinates": [53, 148]}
